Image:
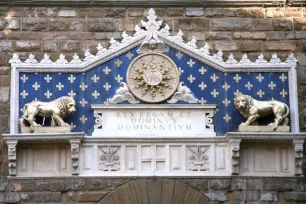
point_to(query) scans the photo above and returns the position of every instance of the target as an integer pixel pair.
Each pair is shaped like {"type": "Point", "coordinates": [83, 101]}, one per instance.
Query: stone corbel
{"type": "Point", "coordinates": [235, 155]}
{"type": "Point", "coordinates": [298, 157]}
{"type": "Point", "coordinates": [12, 156]}
{"type": "Point", "coordinates": [75, 155]}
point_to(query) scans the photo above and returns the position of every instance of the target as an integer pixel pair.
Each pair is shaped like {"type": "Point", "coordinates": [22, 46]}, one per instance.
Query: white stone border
{"type": "Point", "coordinates": [142, 34]}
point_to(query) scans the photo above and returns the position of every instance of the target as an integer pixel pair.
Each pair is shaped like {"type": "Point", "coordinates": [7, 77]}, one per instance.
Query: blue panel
{"type": "Point", "coordinates": [208, 84]}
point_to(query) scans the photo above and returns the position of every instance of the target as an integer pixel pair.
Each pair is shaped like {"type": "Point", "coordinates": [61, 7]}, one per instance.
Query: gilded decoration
{"type": "Point", "coordinates": [153, 77]}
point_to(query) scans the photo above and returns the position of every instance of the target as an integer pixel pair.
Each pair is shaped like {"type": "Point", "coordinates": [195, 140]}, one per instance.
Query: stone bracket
{"type": "Point", "coordinates": [298, 157]}
{"type": "Point", "coordinates": [235, 155]}
{"type": "Point", "coordinates": [75, 155]}
{"type": "Point", "coordinates": [12, 156]}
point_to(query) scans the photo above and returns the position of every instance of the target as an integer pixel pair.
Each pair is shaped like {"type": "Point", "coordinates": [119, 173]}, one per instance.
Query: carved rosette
{"type": "Point", "coordinates": [298, 163]}
{"type": "Point", "coordinates": [12, 156]}
{"type": "Point", "coordinates": [235, 151]}
{"type": "Point", "coordinates": [75, 155]}
{"type": "Point", "coordinates": [153, 77]}
{"type": "Point", "coordinates": [198, 160]}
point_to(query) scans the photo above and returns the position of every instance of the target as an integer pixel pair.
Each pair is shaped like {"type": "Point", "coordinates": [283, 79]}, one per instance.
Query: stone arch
{"type": "Point", "coordinates": [155, 191]}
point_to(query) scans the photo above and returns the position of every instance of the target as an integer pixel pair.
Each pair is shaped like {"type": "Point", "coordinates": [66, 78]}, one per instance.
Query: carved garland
{"type": "Point", "coordinates": [12, 156]}
{"type": "Point", "coordinates": [75, 155]}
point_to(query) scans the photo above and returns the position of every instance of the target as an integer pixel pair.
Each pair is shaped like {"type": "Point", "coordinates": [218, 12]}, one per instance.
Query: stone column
{"type": "Point", "coordinates": [298, 157]}
{"type": "Point", "coordinates": [75, 155]}
{"type": "Point", "coordinates": [235, 155]}
{"type": "Point", "coordinates": [12, 156]}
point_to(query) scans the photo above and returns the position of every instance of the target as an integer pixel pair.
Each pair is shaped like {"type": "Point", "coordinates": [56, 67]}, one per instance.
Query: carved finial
{"type": "Point", "coordinates": [231, 60]}
{"type": "Point", "coordinates": [15, 59]}
{"type": "Point", "coordinates": [46, 59]}
{"type": "Point", "coordinates": [88, 55]}
{"type": "Point", "coordinates": [291, 59]}
{"type": "Point", "coordinates": [31, 59]}
{"type": "Point", "coordinates": [205, 49]}
{"type": "Point", "coordinates": [192, 43]}
{"type": "Point", "coordinates": [274, 59]}
{"type": "Point", "coordinates": [113, 43]}
{"type": "Point", "coordinates": [101, 49]}
{"type": "Point", "coordinates": [75, 59]}
{"type": "Point", "coordinates": [126, 37]}
{"type": "Point", "coordinates": [62, 60]}
{"type": "Point", "coordinates": [245, 59]}
{"type": "Point", "coordinates": [261, 59]}
{"type": "Point", "coordinates": [219, 56]}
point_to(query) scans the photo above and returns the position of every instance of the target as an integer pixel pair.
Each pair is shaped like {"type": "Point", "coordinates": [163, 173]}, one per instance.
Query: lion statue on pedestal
{"type": "Point", "coordinates": [56, 110]}
{"type": "Point", "coordinates": [253, 109]}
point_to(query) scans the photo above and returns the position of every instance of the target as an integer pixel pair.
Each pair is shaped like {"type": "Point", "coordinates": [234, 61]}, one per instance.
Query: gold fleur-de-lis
{"type": "Point", "coordinates": [214, 77]}
{"type": "Point", "coordinates": [106, 102]}
{"type": "Point", "coordinates": [83, 86]}
{"type": "Point", "coordinates": [72, 126]}
{"type": "Point", "coordinates": [191, 78]}
{"type": "Point", "coordinates": [202, 70]}
{"type": "Point", "coordinates": [227, 118]}
{"type": "Point", "coordinates": [190, 63]}
{"type": "Point", "coordinates": [83, 102]}
{"type": "Point", "coordinates": [59, 86]}
{"type": "Point", "coordinates": [24, 78]}
{"type": "Point", "coordinates": [260, 93]}
{"type": "Point", "coordinates": [226, 102]}
{"type": "Point", "coordinates": [95, 78]}
{"type": "Point", "coordinates": [95, 94]}
{"type": "Point", "coordinates": [249, 85]}
{"type": "Point", "coordinates": [202, 101]}
{"type": "Point", "coordinates": [237, 78]}
{"type": "Point", "coordinates": [71, 78]}
{"type": "Point", "coordinates": [237, 92]}
{"type": "Point", "coordinates": [107, 86]}
{"type": "Point", "coordinates": [226, 86]}
{"type": "Point", "coordinates": [179, 55]}
{"type": "Point", "coordinates": [48, 94]}
{"type": "Point", "coordinates": [118, 78]}
{"type": "Point", "coordinates": [283, 77]}
{"type": "Point", "coordinates": [202, 86]}
{"type": "Point", "coordinates": [36, 86]}
{"type": "Point", "coordinates": [106, 70]}
{"type": "Point", "coordinates": [118, 62]}
{"type": "Point", "coordinates": [71, 93]}
{"type": "Point", "coordinates": [83, 119]}
{"type": "Point", "coordinates": [214, 93]}
{"type": "Point", "coordinates": [283, 93]}
{"type": "Point", "coordinates": [260, 77]}
{"type": "Point", "coordinates": [271, 85]}
{"type": "Point", "coordinates": [129, 55]}
{"type": "Point", "coordinates": [24, 94]}
{"type": "Point", "coordinates": [48, 78]}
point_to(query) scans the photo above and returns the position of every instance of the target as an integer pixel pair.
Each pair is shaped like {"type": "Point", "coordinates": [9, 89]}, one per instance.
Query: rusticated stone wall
{"type": "Point", "coordinates": [155, 191]}
{"type": "Point", "coordinates": [72, 30]}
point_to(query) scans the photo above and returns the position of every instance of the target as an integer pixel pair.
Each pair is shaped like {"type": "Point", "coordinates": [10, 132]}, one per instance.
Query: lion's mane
{"type": "Point", "coordinates": [249, 103]}
{"type": "Point", "coordinates": [62, 104]}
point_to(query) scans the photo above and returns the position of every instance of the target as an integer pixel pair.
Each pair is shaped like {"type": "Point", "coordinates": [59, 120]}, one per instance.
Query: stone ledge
{"type": "Point", "coordinates": [44, 136]}
{"type": "Point", "coordinates": [253, 128]}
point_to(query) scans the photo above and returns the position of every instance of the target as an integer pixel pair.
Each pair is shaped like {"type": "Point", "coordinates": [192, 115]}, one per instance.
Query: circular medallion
{"type": "Point", "coordinates": [152, 77]}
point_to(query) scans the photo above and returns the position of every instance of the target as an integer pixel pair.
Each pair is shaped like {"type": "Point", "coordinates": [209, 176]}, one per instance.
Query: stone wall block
{"type": "Point", "coordinates": [90, 196]}
{"type": "Point", "coordinates": [282, 24]}
{"type": "Point", "coordinates": [220, 12]}
{"type": "Point", "coordinates": [225, 24]}
{"type": "Point", "coordinates": [13, 23]}
{"type": "Point", "coordinates": [125, 25]}
{"type": "Point", "coordinates": [141, 187]}
{"type": "Point", "coordinates": [241, 24]}
{"type": "Point", "coordinates": [136, 12]}
{"type": "Point", "coordinates": [115, 12]}
{"type": "Point", "coordinates": [180, 190]}
{"type": "Point", "coordinates": [190, 24]}
{"type": "Point", "coordinates": [250, 12]}
{"type": "Point", "coordinates": [219, 184]}
{"type": "Point", "coordinates": [238, 184]}
{"type": "Point", "coordinates": [4, 94]}
{"type": "Point", "coordinates": [50, 46]}
{"type": "Point", "coordinates": [167, 190]}
{"type": "Point", "coordinates": [154, 192]}
{"type": "Point", "coordinates": [191, 196]}
{"type": "Point", "coordinates": [130, 193]}
{"type": "Point", "coordinates": [226, 45]}
{"type": "Point", "coordinates": [279, 46]}
{"type": "Point", "coordinates": [3, 23]}
{"type": "Point", "coordinates": [21, 186]}
{"type": "Point", "coordinates": [245, 195]}
{"type": "Point", "coordinates": [280, 184]}
{"type": "Point", "coordinates": [299, 23]}
{"type": "Point", "coordinates": [101, 25]}
{"type": "Point", "coordinates": [300, 35]}
{"type": "Point", "coordinates": [200, 184]}
{"type": "Point", "coordinates": [47, 196]}
{"type": "Point", "coordinates": [70, 46]}
{"type": "Point", "coordinates": [218, 35]}
{"type": "Point", "coordinates": [268, 196]}
{"type": "Point", "coordinates": [67, 24]}
{"type": "Point", "coordinates": [34, 24]}
{"type": "Point", "coordinates": [202, 200]}
{"type": "Point", "coordinates": [6, 46]}
{"type": "Point", "coordinates": [194, 12]}
{"type": "Point", "coordinates": [276, 35]}
{"type": "Point", "coordinates": [10, 198]}
{"type": "Point", "coordinates": [250, 46]}
{"type": "Point", "coordinates": [27, 46]}
{"type": "Point", "coordinates": [295, 196]}
{"type": "Point", "coordinates": [250, 35]}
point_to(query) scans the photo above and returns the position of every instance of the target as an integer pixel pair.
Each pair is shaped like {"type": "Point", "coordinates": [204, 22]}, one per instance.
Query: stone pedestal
{"type": "Point", "coordinates": [58, 129]}
{"type": "Point", "coordinates": [255, 128]}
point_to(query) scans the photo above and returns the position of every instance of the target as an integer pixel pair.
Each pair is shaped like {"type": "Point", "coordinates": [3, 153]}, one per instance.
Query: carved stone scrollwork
{"type": "Point", "coordinates": [209, 120]}
{"type": "Point", "coordinates": [12, 155]}
{"type": "Point", "coordinates": [109, 159]}
{"type": "Point", "coordinates": [123, 94]}
{"type": "Point", "coordinates": [98, 120]}
{"type": "Point", "coordinates": [235, 152]}
{"type": "Point", "coordinates": [298, 163]}
{"type": "Point", "coordinates": [183, 93]}
{"type": "Point", "coordinates": [199, 159]}
{"type": "Point", "coordinates": [75, 155]}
